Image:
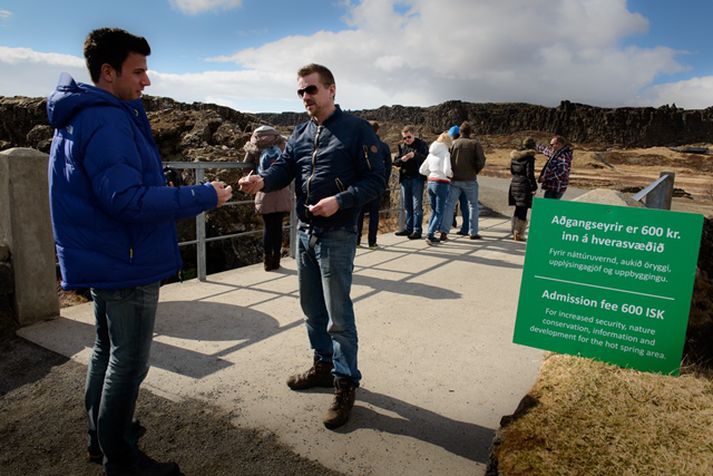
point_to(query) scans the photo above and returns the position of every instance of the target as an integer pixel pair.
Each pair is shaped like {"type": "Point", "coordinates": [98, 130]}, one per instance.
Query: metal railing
{"type": "Point", "coordinates": [201, 240]}
{"type": "Point", "coordinates": [659, 193]}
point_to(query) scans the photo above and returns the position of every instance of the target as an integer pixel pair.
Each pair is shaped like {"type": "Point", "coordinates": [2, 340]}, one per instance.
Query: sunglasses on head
{"type": "Point", "coordinates": [311, 90]}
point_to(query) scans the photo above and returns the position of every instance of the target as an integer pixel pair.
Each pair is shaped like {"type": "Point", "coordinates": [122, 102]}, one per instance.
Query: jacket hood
{"type": "Point", "coordinates": [521, 154]}
{"type": "Point", "coordinates": [438, 148]}
{"type": "Point", "coordinates": [70, 97]}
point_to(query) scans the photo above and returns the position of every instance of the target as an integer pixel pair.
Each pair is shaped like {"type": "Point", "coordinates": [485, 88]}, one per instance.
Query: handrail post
{"type": "Point", "coordinates": [292, 250]}
{"type": "Point", "coordinates": [402, 209]}
{"type": "Point", "coordinates": [200, 234]}
{"type": "Point", "coordinates": [662, 195]}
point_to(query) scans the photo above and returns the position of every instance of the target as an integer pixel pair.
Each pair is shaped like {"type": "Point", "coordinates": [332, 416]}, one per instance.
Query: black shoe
{"type": "Point", "coordinates": [462, 233]}
{"type": "Point", "coordinates": [403, 233]}
{"type": "Point", "coordinates": [414, 236]}
{"type": "Point", "coordinates": [443, 237]}
{"type": "Point", "coordinates": [147, 466]}
{"type": "Point", "coordinates": [432, 240]}
{"type": "Point", "coordinates": [476, 237]}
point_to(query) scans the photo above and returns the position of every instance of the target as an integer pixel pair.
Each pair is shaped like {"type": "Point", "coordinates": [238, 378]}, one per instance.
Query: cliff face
{"type": "Point", "coordinates": [184, 131]}
{"type": "Point", "coordinates": [623, 127]}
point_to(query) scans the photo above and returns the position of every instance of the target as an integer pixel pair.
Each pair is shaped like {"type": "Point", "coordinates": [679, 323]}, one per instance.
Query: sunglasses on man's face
{"type": "Point", "coordinates": [311, 90]}
{"type": "Point", "coordinates": [408, 137]}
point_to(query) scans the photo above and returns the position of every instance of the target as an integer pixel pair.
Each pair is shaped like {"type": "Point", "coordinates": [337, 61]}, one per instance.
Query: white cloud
{"type": "Point", "coordinates": [5, 14]}
{"type": "Point", "coordinates": [193, 7]}
{"type": "Point", "coordinates": [424, 52]}
{"type": "Point", "coordinates": [24, 72]}
{"type": "Point", "coordinates": [694, 93]}
{"type": "Point", "coordinates": [537, 51]}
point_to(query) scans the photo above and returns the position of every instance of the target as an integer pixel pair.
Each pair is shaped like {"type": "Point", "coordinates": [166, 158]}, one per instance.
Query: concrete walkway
{"type": "Point", "coordinates": [435, 327]}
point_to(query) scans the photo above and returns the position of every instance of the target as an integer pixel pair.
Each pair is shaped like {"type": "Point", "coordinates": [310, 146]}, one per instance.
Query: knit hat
{"type": "Point", "coordinates": [454, 131]}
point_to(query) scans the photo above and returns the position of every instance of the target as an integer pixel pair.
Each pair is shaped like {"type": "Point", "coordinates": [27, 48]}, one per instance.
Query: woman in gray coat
{"type": "Point", "coordinates": [523, 185]}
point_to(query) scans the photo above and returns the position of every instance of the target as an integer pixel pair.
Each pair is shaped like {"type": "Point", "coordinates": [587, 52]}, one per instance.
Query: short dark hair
{"type": "Point", "coordinates": [111, 46]}
{"type": "Point", "coordinates": [374, 125]}
{"type": "Point", "coordinates": [465, 129]}
{"type": "Point", "coordinates": [325, 76]}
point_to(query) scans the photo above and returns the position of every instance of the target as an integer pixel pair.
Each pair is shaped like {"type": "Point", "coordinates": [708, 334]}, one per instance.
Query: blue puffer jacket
{"type": "Point", "coordinates": [112, 214]}
{"type": "Point", "coordinates": [338, 158]}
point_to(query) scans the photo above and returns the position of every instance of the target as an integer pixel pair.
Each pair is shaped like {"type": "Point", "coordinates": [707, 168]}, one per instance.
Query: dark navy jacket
{"type": "Point", "coordinates": [113, 216]}
{"type": "Point", "coordinates": [340, 157]}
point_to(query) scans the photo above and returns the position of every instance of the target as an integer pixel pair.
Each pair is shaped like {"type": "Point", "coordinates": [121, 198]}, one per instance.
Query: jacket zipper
{"type": "Point", "coordinates": [366, 157]}
{"type": "Point", "coordinates": [131, 255]}
{"type": "Point", "coordinates": [314, 160]}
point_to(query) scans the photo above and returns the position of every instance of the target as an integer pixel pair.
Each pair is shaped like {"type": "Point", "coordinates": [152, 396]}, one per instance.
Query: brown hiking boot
{"type": "Point", "coordinates": [319, 375]}
{"type": "Point", "coordinates": [341, 407]}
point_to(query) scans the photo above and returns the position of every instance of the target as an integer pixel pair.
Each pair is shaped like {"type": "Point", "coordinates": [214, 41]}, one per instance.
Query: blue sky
{"type": "Point", "coordinates": [244, 53]}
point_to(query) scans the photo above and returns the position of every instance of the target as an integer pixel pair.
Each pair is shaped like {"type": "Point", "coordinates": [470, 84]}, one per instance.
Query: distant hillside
{"type": "Point", "coordinates": [23, 122]}
{"type": "Point", "coordinates": [624, 127]}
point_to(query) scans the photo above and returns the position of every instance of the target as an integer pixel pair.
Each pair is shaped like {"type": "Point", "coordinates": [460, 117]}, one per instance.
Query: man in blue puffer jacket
{"type": "Point", "coordinates": [113, 218]}
{"type": "Point", "coordinates": [334, 159]}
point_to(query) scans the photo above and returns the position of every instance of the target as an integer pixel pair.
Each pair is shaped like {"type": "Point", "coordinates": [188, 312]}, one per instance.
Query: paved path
{"type": "Point", "coordinates": [435, 327]}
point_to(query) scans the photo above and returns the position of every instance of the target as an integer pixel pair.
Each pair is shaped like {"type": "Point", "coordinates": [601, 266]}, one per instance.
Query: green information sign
{"type": "Point", "coordinates": [608, 282]}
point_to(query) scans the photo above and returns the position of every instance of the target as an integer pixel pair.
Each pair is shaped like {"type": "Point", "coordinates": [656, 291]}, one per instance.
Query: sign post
{"type": "Point", "coordinates": [608, 282]}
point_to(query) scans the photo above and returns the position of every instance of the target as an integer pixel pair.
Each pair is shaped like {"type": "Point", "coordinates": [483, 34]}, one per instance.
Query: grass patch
{"type": "Point", "coordinates": [588, 417]}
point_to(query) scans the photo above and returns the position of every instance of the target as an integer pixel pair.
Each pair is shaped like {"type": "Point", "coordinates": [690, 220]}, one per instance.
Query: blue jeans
{"type": "Point", "coordinates": [324, 271]}
{"type": "Point", "coordinates": [412, 196]}
{"type": "Point", "coordinates": [470, 189]}
{"type": "Point", "coordinates": [438, 195]}
{"type": "Point", "coordinates": [119, 363]}
{"type": "Point", "coordinates": [372, 208]}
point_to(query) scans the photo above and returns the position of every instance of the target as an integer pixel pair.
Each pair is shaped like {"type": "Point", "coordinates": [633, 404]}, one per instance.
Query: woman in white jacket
{"type": "Point", "coordinates": [437, 168]}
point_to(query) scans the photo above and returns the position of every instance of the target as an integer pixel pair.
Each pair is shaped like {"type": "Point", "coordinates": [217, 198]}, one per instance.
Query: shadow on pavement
{"type": "Point", "coordinates": [467, 440]}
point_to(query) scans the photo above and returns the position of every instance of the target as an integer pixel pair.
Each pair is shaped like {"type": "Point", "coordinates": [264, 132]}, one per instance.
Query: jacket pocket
{"type": "Point", "coordinates": [340, 185]}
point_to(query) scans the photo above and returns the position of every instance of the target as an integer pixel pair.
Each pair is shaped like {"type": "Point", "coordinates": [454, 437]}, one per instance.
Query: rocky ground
{"type": "Point", "coordinates": [42, 425]}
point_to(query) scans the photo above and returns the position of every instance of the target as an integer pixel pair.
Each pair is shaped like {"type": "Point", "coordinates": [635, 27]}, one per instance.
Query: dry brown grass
{"type": "Point", "coordinates": [591, 418]}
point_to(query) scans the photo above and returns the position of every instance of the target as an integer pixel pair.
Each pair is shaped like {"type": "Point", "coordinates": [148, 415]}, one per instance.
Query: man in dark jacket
{"type": "Point", "coordinates": [373, 206]}
{"type": "Point", "coordinates": [467, 160]}
{"type": "Point", "coordinates": [411, 155]}
{"type": "Point", "coordinates": [334, 160]}
{"type": "Point", "coordinates": [113, 218]}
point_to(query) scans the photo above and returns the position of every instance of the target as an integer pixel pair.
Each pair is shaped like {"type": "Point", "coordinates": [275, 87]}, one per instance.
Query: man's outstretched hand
{"type": "Point", "coordinates": [251, 183]}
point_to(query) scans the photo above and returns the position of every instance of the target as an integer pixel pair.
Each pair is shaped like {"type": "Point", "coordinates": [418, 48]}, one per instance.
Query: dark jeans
{"type": "Point", "coordinates": [521, 212]}
{"type": "Point", "coordinates": [553, 194]}
{"type": "Point", "coordinates": [373, 209]}
{"type": "Point", "coordinates": [119, 363]}
{"type": "Point", "coordinates": [272, 233]}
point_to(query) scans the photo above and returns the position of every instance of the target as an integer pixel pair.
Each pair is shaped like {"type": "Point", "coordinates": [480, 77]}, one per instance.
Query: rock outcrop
{"type": "Point", "coordinates": [623, 127]}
